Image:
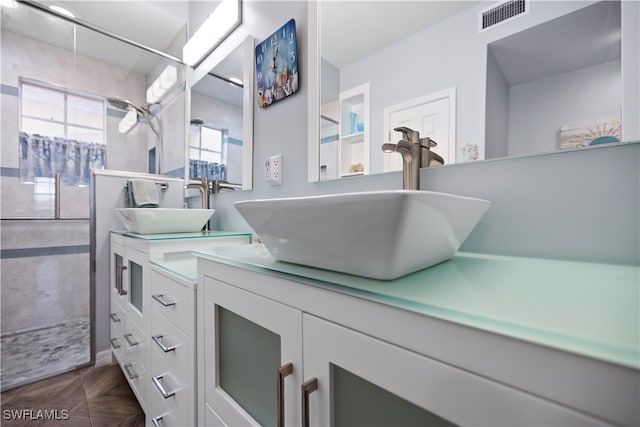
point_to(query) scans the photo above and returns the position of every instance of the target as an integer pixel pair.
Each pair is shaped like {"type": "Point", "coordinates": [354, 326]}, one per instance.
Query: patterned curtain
{"type": "Point", "coordinates": [43, 156]}
{"type": "Point", "coordinates": [210, 170]}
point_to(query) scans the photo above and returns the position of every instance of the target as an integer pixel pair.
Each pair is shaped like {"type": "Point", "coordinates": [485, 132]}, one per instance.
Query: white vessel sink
{"type": "Point", "coordinates": [378, 234]}
{"type": "Point", "coordinates": [163, 220]}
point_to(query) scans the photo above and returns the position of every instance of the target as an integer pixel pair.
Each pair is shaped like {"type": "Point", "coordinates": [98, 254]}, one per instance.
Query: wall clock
{"type": "Point", "coordinates": [277, 65]}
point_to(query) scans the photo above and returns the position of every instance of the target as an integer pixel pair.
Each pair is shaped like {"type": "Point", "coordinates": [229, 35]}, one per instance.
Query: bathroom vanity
{"type": "Point", "coordinates": [153, 316]}
{"type": "Point", "coordinates": [476, 340]}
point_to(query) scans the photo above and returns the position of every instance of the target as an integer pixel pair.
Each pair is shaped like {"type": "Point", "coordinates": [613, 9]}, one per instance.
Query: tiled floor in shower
{"type": "Point", "coordinates": [31, 356]}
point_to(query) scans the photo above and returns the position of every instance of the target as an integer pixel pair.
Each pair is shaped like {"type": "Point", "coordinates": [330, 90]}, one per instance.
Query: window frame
{"type": "Point", "coordinates": [66, 92]}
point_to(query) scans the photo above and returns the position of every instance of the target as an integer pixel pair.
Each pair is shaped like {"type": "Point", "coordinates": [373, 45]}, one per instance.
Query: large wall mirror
{"type": "Point", "coordinates": [221, 119]}
{"type": "Point", "coordinates": [546, 78]}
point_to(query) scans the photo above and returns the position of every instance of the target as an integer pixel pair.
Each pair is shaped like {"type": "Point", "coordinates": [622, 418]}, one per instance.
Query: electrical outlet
{"type": "Point", "coordinates": [275, 169]}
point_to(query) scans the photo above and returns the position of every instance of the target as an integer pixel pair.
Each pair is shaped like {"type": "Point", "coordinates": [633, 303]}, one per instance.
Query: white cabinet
{"type": "Point", "coordinates": [128, 324]}
{"type": "Point", "coordinates": [254, 325]}
{"type": "Point", "coordinates": [173, 359]}
{"type": "Point", "coordinates": [153, 322]}
{"type": "Point", "coordinates": [362, 380]}
{"type": "Point", "coordinates": [253, 367]}
{"type": "Point", "coordinates": [354, 131]}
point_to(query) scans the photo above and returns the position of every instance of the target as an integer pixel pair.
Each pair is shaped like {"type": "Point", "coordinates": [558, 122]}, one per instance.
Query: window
{"type": "Point", "coordinates": [207, 152]}
{"type": "Point", "coordinates": [208, 146]}
{"type": "Point", "coordinates": [54, 112]}
{"type": "Point", "coordinates": [61, 132]}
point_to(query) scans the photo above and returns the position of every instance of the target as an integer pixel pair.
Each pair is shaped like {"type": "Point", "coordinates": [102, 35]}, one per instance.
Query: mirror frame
{"type": "Point", "coordinates": [313, 107]}
{"type": "Point", "coordinates": [195, 75]}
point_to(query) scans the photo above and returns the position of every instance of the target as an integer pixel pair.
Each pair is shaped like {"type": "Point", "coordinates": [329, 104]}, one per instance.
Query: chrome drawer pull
{"type": "Point", "coordinates": [160, 298]}
{"type": "Point", "coordinates": [114, 344]}
{"type": "Point", "coordinates": [158, 340]}
{"type": "Point", "coordinates": [128, 367]}
{"type": "Point", "coordinates": [165, 394]}
{"type": "Point", "coordinates": [156, 421]}
{"type": "Point", "coordinates": [114, 317]}
{"type": "Point", "coordinates": [119, 280]}
{"type": "Point", "coordinates": [129, 340]}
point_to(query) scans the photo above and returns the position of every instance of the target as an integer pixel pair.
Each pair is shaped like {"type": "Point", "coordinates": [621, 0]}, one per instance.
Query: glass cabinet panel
{"type": "Point", "coordinates": [254, 346]}
{"type": "Point", "coordinates": [357, 402]}
{"type": "Point", "coordinates": [135, 284]}
{"type": "Point", "coordinates": [248, 361]}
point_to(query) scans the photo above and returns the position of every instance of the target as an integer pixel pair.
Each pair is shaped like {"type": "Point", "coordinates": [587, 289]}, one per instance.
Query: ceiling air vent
{"type": "Point", "coordinates": [502, 12]}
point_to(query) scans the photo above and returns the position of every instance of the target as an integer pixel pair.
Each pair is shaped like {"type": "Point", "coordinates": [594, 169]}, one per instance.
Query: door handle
{"type": "Point", "coordinates": [283, 371]}
{"type": "Point", "coordinates": [307, 388]}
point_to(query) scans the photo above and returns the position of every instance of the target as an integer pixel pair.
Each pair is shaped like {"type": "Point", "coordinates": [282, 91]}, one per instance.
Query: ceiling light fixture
{"type": "Point", "coordinates": [161, 85]}
{"type": "Point", "coordinates": [222, 21]}
{"type": "Point", "coordinates": [8, 3]}
{"type": "Point", "coordinates": [128, 121]}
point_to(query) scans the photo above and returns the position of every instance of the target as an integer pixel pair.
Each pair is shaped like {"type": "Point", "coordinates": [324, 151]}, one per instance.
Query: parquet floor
{"type": "Point", "coordinates": [89, 397]}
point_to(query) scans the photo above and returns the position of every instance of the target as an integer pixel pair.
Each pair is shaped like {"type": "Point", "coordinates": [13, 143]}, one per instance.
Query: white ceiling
{"type": "Point", "coordinates": [587, 37]}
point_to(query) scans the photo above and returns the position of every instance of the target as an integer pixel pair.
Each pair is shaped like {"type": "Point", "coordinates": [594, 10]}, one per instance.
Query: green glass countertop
{"type": "Point", "coordinates": [212, 234]}
{"type": "Point", "coordinates": [183, 266]}
{"type": "Point", "coordinates": [590, 309]}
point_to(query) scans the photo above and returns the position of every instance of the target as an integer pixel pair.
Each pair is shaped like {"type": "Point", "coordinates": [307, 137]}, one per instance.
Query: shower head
{"type": "Point", "coordinates": [197, 121]}
{"type": "Point", "coordinates": [125, 104]}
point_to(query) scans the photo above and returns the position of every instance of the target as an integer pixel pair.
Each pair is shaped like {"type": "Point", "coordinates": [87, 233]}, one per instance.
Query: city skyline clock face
{"type": "Point", "coordinates": [277, 65]}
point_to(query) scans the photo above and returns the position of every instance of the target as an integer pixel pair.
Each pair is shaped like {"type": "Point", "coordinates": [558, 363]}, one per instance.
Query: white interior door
{"type": "Point", "coordinates": [432, 115]}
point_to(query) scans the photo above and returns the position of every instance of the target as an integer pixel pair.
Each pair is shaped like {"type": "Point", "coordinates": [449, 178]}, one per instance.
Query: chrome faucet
{"type": "Point", "coordinates": [203, 185]}
{"type": "Point", "coordinates": [410, 147]}
{"type": "Point", "coordinates": [219, 185]}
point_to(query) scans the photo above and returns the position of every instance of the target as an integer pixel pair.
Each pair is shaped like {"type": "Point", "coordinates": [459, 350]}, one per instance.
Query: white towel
{"type": "Point", "coordinates": [145, 193]}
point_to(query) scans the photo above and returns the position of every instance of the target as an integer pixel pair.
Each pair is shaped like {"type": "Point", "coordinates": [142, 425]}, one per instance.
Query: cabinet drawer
{"type": "Point", "coordinates": [175, 394]}
{"type": "Point", "coordinates": [173, 301]}
{"type": "Point", "coordinates": [136, 374]}
{"type": "Point", "coordinates": [175, 347]}
{"type": "Point", "coordinates": [134, 340]}
{"type": "Point", "coordinates": [117, 320]}
{"type": "Point", "coordinates": [160, 414]}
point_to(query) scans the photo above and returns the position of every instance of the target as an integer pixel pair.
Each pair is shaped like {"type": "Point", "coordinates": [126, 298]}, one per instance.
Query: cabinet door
{"type": "Point", "coordinates": [249, 342]}
{"type": "Point", "coordinates": [364, 381]}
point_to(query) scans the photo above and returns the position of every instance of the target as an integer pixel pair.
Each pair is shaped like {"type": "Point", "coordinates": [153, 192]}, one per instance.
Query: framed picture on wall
{"type": "Point", "coordinates": [277, 65]}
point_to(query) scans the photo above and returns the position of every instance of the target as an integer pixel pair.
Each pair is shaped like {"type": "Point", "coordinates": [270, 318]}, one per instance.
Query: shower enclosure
{"type": "Point", "coordinates": [58, 77]}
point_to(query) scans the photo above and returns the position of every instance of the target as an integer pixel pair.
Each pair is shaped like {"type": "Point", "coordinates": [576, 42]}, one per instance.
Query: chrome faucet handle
{"type": "Point", "coordinates": [410, 135]}
{"type": "Point", "coordinates": [427, 142]}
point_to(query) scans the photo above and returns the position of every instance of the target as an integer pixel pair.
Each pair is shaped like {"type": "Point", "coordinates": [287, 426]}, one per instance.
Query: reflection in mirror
{"type": "Point", "coordinates": [220, 135]}
{"type": "Point", "coordinates": [547, 78]}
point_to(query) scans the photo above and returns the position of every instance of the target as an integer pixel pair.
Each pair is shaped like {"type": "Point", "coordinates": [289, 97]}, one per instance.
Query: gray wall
{"type": "Point", "coordinates": [537, 110]}
{"type": "Point", "coordinates": [497, 111]}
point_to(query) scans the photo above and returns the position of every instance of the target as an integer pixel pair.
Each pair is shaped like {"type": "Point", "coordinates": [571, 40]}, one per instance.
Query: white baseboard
{"type": "Point", "coordinates": [104, 358]}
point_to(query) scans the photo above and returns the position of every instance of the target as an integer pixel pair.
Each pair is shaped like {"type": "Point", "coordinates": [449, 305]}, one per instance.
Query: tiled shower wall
{"type": "Point", "coordinates": [45, 273]}
{"type": "Point", "coordinates": [45, 263]}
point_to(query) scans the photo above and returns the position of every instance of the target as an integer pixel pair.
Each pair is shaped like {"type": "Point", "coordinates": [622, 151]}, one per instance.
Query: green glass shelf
{"type": "Point", "coordinates": [183, 236]}
{"type": "Point", "coordinates": [591, 309]}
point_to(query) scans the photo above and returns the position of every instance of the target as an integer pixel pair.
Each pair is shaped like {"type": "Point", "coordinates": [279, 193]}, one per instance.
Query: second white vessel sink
{"type": "Point", "coordinates": [163, 220]}
{"type": "Point", "coordinates": [377, 234]}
